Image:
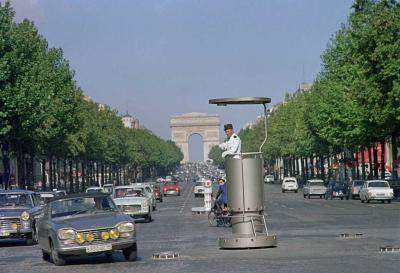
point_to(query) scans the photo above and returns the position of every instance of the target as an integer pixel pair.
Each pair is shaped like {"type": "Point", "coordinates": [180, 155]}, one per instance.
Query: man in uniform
{"type": "Point", "coordinates": [232, 145]}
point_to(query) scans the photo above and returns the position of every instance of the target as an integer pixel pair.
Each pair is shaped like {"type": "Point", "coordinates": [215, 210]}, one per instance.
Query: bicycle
{"type": "Point", "coordinates": [218, 217]}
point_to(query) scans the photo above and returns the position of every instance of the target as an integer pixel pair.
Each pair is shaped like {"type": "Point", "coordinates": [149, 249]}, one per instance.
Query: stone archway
{"type": "Point", "coordinates": [183, 126]}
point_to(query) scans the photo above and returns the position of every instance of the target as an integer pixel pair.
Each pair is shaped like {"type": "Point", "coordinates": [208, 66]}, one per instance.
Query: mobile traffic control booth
{"type": "Point", "coordinates": [245, 188]}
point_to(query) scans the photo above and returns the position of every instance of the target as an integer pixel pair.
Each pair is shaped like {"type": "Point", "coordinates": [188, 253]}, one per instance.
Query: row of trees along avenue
{"type": "Point", "coordinates": [353, 105]}
{"type": "Point", "coordinates": [45, 118]}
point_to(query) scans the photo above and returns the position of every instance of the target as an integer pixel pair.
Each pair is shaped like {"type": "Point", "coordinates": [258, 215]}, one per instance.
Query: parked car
{"type": "Point", "coordinates": [85, 224]}
{"type": "Point", "coordinates": [337, 189]}
{"type": "Point", "coordinates": [108, 188]}
{"type": "Point", "coordinates": [94, 189]}
{"type": "Point", "coordinates": [171, 188]}
{"type": "Point", "coordinates": [290, 184]}
{"type": "Point", "coordinates": [133, 201]}
{"type": "Point", "coordinates": [355, 187]}
{"type": "Point", "coordinates": [16, 209]}
{"type": "Point", "coordinates": [269, 178]}
{"type": "Point", "coordinates": [376, 190]}
{"type": "Point", "coordinates": [198, 189]}
{"type": "Point", "coordinates": [314, 187]}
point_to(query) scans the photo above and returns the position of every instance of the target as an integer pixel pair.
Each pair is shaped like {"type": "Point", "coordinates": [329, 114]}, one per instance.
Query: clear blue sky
{"type": "Point", "coordinates": [160, 58]}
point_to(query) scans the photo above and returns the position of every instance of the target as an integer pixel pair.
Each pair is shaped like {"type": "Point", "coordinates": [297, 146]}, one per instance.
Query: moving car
{"type": "Point", "coordinates": [45, 196]}
{"type": "Point", "coordinates": [314, 187]}
{"type": "Point", "coordinates": [290, 184]}
{"type": "Point", "coordinates": [337, 189]}
{"type": "Point", "coordinates": [198, 189]}
{"type": "Point", "coordinates": [269, 178]}
{"type": "Point", "coordinates": [133, 201]}
{"type": "Point", "coordinates": [94, 189]}
{"type": "Point", "coordinates": [16, 208]}
{"type": "Point", "coordinates": [376, 190]}
{"type": "Point", "coordinates": [171, 188]}
{"type": "Point", "coordinates": [85, 224]}
{"type": "Point", "coordinates": [148, 191]}
{"type": "Point", "coordinates": [355, 187]}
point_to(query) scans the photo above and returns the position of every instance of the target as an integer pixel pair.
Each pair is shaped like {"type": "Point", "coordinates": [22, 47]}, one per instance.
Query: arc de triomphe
{"type": "Point", "coordinates": [183, 126]}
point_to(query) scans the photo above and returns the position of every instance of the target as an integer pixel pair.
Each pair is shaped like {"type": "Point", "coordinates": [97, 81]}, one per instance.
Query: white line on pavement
{"type": "Point", "coordinates": [187, 198]}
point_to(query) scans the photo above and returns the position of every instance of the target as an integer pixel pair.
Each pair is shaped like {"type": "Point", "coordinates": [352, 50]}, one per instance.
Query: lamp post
{"type": "Point", "coordinates": [6, 165]}
{"type": "Point", "coordinates": [245, 188]}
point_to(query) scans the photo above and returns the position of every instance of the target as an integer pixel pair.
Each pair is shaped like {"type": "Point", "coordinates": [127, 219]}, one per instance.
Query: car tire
{"type": "Point", "coordinates": [304, 196]}
{"type": "Point", "coordinates": [309, 196]}
{"type": "Point", "coordinates": [45, 256]}
{"type": "Point", "coordinates": [149, 218]}
{"type": "Point", "coordinates": [389, 201]}
{"type": "Point", "coordinates": [362, 201]}
{"type": "Point", "coordinates": [56, 258]}
{"type": "Point", "coordinates": [320, 197]}
{"type": "Point", "coordinates": [368, 200]}
{"type": "Point", "coordinates": [130, 253]}
{"type": "Point", "coordinates": [341, 198]}
{"type": "Point", "coordinates": [161, 200]}
{"type": "Point", "coordinates": [295, 191]}
{"type": "Point", "coordinates": [283, 191]}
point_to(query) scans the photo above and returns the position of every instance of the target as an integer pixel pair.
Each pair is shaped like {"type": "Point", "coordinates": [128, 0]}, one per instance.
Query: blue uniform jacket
{"type": "Point", "coordinates": [222, 196]}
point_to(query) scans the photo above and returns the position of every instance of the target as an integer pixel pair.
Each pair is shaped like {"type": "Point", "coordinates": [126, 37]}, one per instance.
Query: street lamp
{"type": "Point", "coordinates": [245, 190]}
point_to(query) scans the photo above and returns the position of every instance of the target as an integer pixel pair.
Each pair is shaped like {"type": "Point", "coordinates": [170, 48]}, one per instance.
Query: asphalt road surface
{"type": "Point", "coordinates": [308, 240]}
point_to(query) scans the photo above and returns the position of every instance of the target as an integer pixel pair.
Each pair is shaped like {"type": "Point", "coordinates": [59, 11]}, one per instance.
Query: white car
{"type": "Point", "coordinates": [133, 201]}
{"type": "Point", "coordinates": [198, 189]}
{"type": "Point", "coordinates": [148, 190]}
{"type": "Point", "coordinates": [290, 184]}
{"type": "Point", "coordinates": [108, 188]}
{"type": "Point", "coordinates": [269, 178]}
{"type": "Point", "coordinates": [376, 190]}
{"type": "Point", "coordinates": [94, 189]}
{"type": "Point", "coordinates": [314, 187]}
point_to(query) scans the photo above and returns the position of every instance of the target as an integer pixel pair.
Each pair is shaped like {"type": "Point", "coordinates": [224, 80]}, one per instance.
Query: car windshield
{"type": "Point", "coordinates": [289, 180]}
{"type": "Point", "coordinates": [44, 198]}
{"type": "Point", "coordinates": [378, 184]}
{"type": "Point", "coordinates": [129, 192]}
{"type": "Point", "coordinates": [93, 190]}
{"type": "Point", "coordinates": [270, 176]}
{"type": "Point", "coordinates": [317, 184]}
{"type": "Point", "coordinates": [199, 184]}
{"type": "Point", "coordinates": [358, 183]}
{"type": "Point", "coordinates": [15, 200]}
{"type": "Point", "coordinates": [170, 183]}
{"type": "Point", "coordinates": [81, 205]}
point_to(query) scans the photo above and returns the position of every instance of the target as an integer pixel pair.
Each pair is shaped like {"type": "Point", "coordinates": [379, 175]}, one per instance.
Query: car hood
{"type": "Point", "coordinates": [90, 221]}
{"type": "Point", "coordinates": [12, 213]}
{"type": "Point", "coordinates": [317, 187]}
{"type": "Point", "coordinates": [129, 200]}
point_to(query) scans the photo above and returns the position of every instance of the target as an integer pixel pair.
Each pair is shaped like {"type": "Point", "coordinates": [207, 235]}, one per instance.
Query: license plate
{"type": "Point", "coordinates": [98, 248]}
{"type": "Point", "coordinates": [4, 233]}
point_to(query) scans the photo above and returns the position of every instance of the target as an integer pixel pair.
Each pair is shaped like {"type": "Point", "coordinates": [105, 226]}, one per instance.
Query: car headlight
{"type": "Point", "coordinates": [80, 238]}
{"type": "Point", "coordinates": [114, 234]}
{"type": "Point", "coordinates": [145, 203]}
{"type": "Point", "coordinates": [66, 234]}
{"type": "Point", "coordinates": [25, 216]}
{"type": "Point", "coordinates": [125, 227]}
{"type": "Point", "coordinates": [105, 235]}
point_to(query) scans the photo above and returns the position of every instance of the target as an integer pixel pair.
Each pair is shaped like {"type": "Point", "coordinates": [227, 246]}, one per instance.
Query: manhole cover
{"type": "Point", "coordinates": [168, 255]}
{"type": "Point", "coordinates": [390, 249]}
{"type": "Point", "coordinates": [351, 235]}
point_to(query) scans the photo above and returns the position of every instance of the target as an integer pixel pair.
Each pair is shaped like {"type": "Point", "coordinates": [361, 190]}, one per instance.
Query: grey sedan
{"type": "Point", "coordinates": [85, 224]}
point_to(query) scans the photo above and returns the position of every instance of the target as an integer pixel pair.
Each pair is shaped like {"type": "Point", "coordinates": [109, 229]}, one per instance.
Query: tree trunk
{"type": "Point", "coordinates": [71, 178]}
{"type": "Point", "coordinates": [383, 152]}
{"type": "Point", "coordinates": [321, 158]}
{"type": "Point", "coordinates": [371, 171]}
{"type": "Point", "coordinates": [376, 162]}
{"type": "Point", "coordinates": [394, 156]}
{"type": "Point", "coordinates": [83, 175]}
{"type": "Point", "coordinates": [76, 176]}
{"type": "Point", "coordinates": [65, 173]}
{"type": "Point", "coordinates": [58, 173]}
{"type": "Point", "coordinates": [44, 178]}
{"type": "Point", "coordinates": [51, 173]}
{"type": "Point", "coordinates": [363, 164]}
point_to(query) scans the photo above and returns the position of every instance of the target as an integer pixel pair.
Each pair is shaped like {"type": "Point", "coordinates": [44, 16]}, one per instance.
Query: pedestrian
{"type": "Point", "coordinates": [232, 144]}
{"type": "Point", "coordinates": [222, 195]}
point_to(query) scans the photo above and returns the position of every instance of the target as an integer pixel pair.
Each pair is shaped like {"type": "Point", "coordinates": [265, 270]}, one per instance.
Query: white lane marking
{"type": "Point", "coordinates": [187, 199]}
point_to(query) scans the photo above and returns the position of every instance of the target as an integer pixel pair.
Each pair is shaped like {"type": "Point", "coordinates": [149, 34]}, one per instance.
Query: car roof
{"type": "Point", "coordinates": [79, 195]}
{"type": "Point", "coordinates": [16, 191]}
{"type": "Point", "coordinates": [127, 187]}
{"type": "Point", "coordinates": [377, 180]}
{"type": "Point", "coordinates": [315, 180]}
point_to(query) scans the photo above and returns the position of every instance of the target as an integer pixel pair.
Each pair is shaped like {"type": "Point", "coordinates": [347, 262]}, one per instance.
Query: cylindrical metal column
{"type": "Point", "coordinates": [245, 190]}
